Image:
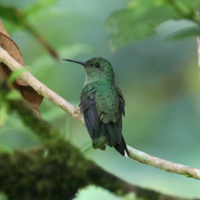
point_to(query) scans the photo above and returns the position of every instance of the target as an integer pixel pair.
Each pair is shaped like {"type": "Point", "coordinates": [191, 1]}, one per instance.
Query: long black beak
{"type": "Point", "coordinates": [75, 61]}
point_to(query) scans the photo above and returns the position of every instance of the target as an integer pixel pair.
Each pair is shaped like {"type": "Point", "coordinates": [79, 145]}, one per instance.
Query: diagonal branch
{"type": "Point", "coordinates": [39, 87]}
{"type": "Point", "coordinates": [75, 113]}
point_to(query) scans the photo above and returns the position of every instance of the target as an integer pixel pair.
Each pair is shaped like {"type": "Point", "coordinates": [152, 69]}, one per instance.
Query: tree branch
{"type": "Point", "coordinates": [75, 113]}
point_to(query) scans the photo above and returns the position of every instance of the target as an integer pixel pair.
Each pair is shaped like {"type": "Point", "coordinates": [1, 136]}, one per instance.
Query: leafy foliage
{"type": "Point", "coordinates": [141, 17]}
{"type": "Point", "coordinates": [184, 33]}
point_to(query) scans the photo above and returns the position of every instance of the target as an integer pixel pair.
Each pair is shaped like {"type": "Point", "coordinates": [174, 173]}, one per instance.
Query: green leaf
{"type": "Point", "coordinates": [40, 10]}
{"type": "Point", "coordinates": [14, 95]}
{"type": "Point", "coordinates": [194, 4]}
{"type": "Point", "coordinates": [184, 33]}
{"type": "Point", "coordinates": [140, 19]}
{"type": "Point", "coordinates": [16, 74]}
{"type": "Point", "coordinates": [10, 13]}
{"type": "Point", "coordinates": [3, 113]}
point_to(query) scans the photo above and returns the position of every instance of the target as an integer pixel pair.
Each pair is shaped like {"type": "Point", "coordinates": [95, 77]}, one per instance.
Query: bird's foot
{"type": "Point", "coordinates": [77, 111]}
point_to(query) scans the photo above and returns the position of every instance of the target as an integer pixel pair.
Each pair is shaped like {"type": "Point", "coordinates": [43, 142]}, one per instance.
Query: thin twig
{"type": "Point", "coordinates": [75, 113]}
{"type": "Point", "coordinates": [164, 164]}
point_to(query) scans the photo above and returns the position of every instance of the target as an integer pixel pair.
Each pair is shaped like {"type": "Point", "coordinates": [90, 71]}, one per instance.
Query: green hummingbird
{"type": "Point", "coordinates": [102, 105]}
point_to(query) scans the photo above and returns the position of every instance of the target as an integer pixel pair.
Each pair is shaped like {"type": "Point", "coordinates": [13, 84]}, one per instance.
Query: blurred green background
{"type": "Point", "coordinates": [159, 80]}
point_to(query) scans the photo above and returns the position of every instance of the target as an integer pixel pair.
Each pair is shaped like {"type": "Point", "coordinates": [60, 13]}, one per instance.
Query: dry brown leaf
{"type": "Point", "coordinates": [32, 97]}
{"type": "Point", "coordinates": [7, 43]}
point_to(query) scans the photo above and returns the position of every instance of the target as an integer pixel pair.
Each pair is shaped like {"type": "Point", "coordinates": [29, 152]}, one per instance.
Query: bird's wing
{"type": "Point", "coordinates": [91, 117]}
{"type": "Point", "coordinates": [103, 117]}
{"type": "Point", "coordinates": [121, 102]}
{"type": "Point", "coordinates": [88, 108]}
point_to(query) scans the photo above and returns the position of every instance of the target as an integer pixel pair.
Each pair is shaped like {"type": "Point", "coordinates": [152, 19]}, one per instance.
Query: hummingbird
{"type": "Point", "coordinates": [102, 105]}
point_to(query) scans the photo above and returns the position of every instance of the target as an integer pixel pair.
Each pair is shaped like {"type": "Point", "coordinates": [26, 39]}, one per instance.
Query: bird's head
{"type": "Point", "coordinates": [97, 69]}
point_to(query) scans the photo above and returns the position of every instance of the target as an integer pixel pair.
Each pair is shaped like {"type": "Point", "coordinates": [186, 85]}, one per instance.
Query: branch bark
{"type": "Point", "coordinates": [75, 113]}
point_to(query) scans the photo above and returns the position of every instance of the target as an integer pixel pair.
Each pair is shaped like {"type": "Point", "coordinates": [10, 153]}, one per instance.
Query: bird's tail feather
{"type": "Point", "coordinates": [122, 148]}
{"type": "Point", "coordinates": [114, 136]}
{"type": "Point", "coordinates": [109, 134]}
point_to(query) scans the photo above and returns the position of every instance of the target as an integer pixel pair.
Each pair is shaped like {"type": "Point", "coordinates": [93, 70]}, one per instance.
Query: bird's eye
{"type": "Point", "coordinates": [97, 65]}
